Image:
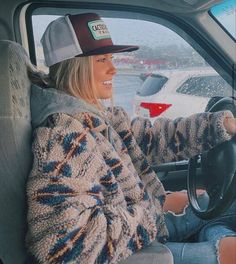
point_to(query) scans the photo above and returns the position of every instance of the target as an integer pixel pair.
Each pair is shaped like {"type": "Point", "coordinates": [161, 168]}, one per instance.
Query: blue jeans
{"type": "Point", "coordinates": [181, 227]}
{"type": "Point", "coordinates": [209, 232]}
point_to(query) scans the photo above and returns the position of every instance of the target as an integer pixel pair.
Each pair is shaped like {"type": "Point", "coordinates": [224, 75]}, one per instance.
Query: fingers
{"type": "Point", "coordinates": [230, 125]}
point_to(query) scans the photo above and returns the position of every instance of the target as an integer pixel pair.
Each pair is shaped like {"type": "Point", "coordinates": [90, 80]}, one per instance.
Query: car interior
{"type": "Point", "coordinates": [192, 21]}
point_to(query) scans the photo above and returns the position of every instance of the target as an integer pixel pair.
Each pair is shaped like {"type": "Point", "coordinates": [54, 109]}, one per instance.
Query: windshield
{"type": "Point", "coordinates": [225, 14]}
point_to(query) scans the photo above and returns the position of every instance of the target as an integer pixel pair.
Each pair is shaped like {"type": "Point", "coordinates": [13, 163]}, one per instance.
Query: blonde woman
{"type": "Point", "coordinates": [92, 194]}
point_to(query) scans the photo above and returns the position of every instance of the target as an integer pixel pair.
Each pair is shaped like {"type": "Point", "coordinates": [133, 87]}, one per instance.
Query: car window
{"type": "Point", "coordinates": [207, 86]}
{"type": "Point", "coordinates": [225, 14]}
{"type": "Point", "coordinates": [153, 83]}
{"type": "Point", "coordinates": [150, 81]}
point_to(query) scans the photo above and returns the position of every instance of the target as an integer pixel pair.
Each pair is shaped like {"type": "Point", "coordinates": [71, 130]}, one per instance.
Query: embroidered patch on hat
{"type": "Point", "coordinates": [99, 30]}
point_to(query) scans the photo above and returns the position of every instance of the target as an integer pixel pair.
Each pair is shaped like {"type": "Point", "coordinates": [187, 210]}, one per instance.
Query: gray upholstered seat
{"type": "Point", "coordinates": [15, 156]}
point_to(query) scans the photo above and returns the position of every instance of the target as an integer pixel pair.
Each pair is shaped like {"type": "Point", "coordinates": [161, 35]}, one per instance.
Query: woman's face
{"type": "Point", "coordinates": [103, 71]}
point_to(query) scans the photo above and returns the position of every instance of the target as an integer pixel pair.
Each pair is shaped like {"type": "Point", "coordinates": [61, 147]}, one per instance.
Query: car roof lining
{"type": "Point", "coordinates": [177, 6]}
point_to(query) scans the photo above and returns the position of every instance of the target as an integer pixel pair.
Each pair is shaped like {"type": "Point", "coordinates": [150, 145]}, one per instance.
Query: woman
{"type": "Point", "coordinates": [92, 194]}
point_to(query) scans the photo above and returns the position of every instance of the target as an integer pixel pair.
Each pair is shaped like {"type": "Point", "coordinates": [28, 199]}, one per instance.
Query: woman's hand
{"type": "Point", "coordinates": [230, 125]}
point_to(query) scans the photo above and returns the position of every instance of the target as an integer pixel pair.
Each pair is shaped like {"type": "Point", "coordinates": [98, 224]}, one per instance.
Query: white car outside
{"type": "Point", "coordinates": [180, 93]}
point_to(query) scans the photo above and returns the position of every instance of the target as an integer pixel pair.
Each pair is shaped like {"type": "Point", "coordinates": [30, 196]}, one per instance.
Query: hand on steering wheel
{"type": "Point", "coordinates": [219, 167]}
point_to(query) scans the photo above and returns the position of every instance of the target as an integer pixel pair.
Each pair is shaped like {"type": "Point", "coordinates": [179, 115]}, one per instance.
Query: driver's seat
{"type": "Point", "coordinates": [15, 157]}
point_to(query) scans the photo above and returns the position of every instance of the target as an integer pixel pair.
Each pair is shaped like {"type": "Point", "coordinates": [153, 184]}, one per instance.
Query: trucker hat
{"type": "Point", "coordinates": [77, 36]}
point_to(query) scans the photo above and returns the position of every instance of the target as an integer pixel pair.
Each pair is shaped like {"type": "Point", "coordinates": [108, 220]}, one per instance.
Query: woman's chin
{"type": "Point", "coordinates": [106, 96]}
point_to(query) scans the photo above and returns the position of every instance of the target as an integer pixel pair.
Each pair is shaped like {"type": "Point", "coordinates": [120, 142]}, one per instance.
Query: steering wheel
{"type": "Point", "coordinates": [218, 167]}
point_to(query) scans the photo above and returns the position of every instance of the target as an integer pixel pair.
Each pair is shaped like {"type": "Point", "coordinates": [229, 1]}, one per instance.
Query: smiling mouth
{"type": "Point", "coordinates": [107, 82]}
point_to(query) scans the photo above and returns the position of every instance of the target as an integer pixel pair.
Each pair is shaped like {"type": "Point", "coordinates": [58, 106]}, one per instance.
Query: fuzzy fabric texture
{"type": "Point", "coordinates": [92, 194]}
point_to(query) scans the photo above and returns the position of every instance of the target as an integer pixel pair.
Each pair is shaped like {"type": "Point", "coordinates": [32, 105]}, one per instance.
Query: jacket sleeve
{"type": "Point", "coordinates": [70, 217]}
{"type": "Point", "coordinates": [171, 140]}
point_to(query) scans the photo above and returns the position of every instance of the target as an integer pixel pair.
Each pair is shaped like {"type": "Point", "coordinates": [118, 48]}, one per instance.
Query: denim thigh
{"type": "Point", "coordinates": [194, 253]}
{"type": "Point", "coordinates": [182, 226]}
{"type": "Point", "coordinates": [207, 234]}
{"type": "Point", "coordinates": [222, 226]}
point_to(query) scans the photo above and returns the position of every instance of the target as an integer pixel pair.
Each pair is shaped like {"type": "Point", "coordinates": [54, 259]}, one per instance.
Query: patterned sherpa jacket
{"type": "Point", "coordinates": [92, 195]}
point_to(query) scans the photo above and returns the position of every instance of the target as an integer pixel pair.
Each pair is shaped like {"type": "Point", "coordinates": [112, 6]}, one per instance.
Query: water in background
{"type": "Point", "coordinates": [125, 86]}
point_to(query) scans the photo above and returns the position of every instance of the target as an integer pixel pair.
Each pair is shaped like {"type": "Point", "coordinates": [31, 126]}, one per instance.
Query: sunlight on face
{"type": "Point", "coordinates": [103, 71]}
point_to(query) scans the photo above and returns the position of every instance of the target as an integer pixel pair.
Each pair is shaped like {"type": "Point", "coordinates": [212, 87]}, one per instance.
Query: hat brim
{"type": "Point", "coordinates": [109, 49]}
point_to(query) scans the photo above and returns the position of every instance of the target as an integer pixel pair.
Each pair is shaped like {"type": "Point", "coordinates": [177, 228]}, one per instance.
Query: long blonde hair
{"type": "Point", "coordinates": [73, 76]}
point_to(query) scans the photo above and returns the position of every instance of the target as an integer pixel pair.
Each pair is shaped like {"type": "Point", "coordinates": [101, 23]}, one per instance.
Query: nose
{"type": "Point", "coordinates": [112, 68]}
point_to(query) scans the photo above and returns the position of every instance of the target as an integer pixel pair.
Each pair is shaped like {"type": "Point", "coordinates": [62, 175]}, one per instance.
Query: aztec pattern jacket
{"type": "Point", "coordinates": [92, 194]}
